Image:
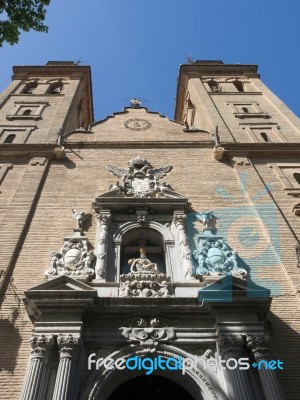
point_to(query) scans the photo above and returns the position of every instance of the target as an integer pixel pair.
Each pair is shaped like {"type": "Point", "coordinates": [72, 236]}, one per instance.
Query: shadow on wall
{"type": "Point", "coordinates": [285, 346]}
{"type": "Point", "coordinates": [10, 341]}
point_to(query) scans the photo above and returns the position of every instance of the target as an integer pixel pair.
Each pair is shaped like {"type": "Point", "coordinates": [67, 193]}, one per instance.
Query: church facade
{"type": "Point", "coordinates": [146, 257]}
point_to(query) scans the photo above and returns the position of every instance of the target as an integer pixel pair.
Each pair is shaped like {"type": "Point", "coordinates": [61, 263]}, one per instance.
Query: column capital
{"type": "Point", "coordinates": [231, 345]}
{"type": "Point", "coordinates": [41, 345]}
{"type": "Point", "coordinates": [179, 218]}
{"type": "Point", "coordinates": [104, 216]}
{"type": "Point", "coordinates": [258, 345]}
{"type": "Point", "coordinates": [68, 345]}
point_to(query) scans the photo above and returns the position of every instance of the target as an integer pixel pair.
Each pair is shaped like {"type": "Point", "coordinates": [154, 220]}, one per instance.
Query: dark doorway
{"type": "Point", "coordinates": [150, 387]}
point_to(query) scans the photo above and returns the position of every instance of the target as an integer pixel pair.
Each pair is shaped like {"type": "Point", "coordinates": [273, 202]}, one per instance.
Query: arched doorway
{"type": "Point", "coordinates": [150, 387]}
{"type": "Point", "coordinates": [106, 383]}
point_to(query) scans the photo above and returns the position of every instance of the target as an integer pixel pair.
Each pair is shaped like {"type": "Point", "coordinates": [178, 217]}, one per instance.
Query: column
{"type": "Point", "coordinates": [68, 346]}
{"type": "Point", "coordinates": [185, 252]}
{"type": "Point", "coordinates": [34, 381]}
{"type": "Point", "coordinates": [102, 244]}
{"type": "Point", "coordinates": [259, 347]}
{"type": "Point", "coordinates": [237, 381]}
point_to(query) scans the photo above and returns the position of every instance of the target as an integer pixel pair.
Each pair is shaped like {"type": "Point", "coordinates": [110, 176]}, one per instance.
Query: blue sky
{"type": "Point", "coordinates": [135, 47]}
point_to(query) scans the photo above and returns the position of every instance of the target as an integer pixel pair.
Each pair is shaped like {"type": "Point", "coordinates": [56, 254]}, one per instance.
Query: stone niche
{"type": "Point", "coordinates": [141, 241]}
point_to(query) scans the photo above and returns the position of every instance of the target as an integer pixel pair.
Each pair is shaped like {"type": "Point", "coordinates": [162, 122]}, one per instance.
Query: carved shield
{"type": "Point", "coordinates": [72, 257]}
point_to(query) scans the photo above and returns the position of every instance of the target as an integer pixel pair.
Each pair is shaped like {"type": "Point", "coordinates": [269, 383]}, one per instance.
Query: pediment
{"type": "Point", "coordinates": [229, 288]}
{"type": "Point", "coordinates": [140, 124]}
{"type": "Point", "coordinates": [61, 283]}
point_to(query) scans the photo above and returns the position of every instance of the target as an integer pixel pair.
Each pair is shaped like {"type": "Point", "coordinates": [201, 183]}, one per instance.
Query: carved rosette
{"type": "Point", "coordinates": [185, 253]}
{"type": "Point", "coordinates": [146, 285]}
{"type": "Point", "coordinates": [68, 345]}
{"type": "Point", "coordinates": [41, 346]}
{"type": "Point", "coordinates": [259, 346]}
{"type": "Point", "coordinates": [102, 246]}
{"type": "Point", "coordinates": [231, 345]}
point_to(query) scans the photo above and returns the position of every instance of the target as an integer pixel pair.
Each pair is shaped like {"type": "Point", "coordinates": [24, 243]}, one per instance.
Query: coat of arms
{"type": "Point", "coordinates": [140, 179]}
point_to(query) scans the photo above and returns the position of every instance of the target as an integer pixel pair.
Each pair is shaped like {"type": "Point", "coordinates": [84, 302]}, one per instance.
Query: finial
{"type": "Point", "coordinates": [135, 103]}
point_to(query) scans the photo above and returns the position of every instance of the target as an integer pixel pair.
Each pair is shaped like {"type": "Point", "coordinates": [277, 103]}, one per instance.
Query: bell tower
{"type": "Point", "coordinates": [45, 101]}
{"type": "Point", "coordinates": [233, 97]}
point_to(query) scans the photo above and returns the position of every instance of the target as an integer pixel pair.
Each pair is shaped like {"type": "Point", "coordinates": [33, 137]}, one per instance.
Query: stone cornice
{"type": "Point", "coordinates": [28, 150]}
{"type": "Point", "coordinates": [257, 150]}
{"type": "Point", "coordinates": [72, 71]}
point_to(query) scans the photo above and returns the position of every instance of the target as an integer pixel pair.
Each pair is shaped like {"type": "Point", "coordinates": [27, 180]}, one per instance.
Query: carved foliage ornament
{"type": "Point", "coordinates": [41, 346]}
{"type": "Point", "coordinates": [146, 285]}
{"type": "Point", "coordinates": [148, 330]}
{"type": "Point", "coordinates": [68, 345]}
{"type": "Point", "coordinates": [259, 345]}
{"type": "Point", "coordinates": [140, 179]}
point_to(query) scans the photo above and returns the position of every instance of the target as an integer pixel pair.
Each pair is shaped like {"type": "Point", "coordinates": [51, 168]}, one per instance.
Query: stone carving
{"type": "Point", "coordinates": [146, 285]}
{"type": "Point", "coordinates": [259, 345]}
{"type": "Point", "coordinates": [148, 330]}
{"type": "Point", "coordinates": [140, 179]}
{"type": "Point", "coordinates": [74, 259]}
{"type": "Point", "coordinates": [104, 220]}
{"type": "Point", "coordinates": [144, 279]}
{"type": "Point", "coordinates": [79, 217]}
{"type": "Point", "coordinates": [205, 217]}
{"type": "Point", "coordinates": [231, 345]}
{"type": "Point", "coordinates": [179, 222]}
{"type": "Point", "coordinates": [68, 345]}
{"type": "Point", "coordinates": [214, 257]}
{"type": "Point", "coordinates": [41, 346]}
{"type": "Point", "coordinates": [142, 264]}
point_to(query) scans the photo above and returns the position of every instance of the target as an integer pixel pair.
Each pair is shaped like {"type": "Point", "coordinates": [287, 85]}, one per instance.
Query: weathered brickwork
{"type": "Point", "coordinates": [39, 191]}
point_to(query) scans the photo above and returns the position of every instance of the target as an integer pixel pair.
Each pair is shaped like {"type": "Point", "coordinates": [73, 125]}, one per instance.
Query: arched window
{"type": "Point", "coordinates": [296, 175]}
{"type": "Point", "coordinates": [56, 88]}
{"type": "Point", "coordinates": [245, 109]}
{"type": "Point", "coordinates": [29, 89]}
{"type": "Point", "coordinates": [27, 112]}
{"type": "Point", "coordinates": [265, 137]}
{"type": "Point", "coordinates": [10, 138]}
{"type": "Point", "coordinates": [239, 85]}
{"type": "Point", "coordinates": [214, 86]}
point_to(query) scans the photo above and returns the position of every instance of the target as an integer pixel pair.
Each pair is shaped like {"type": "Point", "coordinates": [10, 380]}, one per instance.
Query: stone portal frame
{"type": "Point", "coordinates": [198, 382]}
{"type": "Point", "coordinates": [168, 242]}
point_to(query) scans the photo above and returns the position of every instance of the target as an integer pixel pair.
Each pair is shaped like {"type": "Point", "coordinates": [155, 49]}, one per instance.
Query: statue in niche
{"type": "Point", "coordinates": [145, 279]}
{"type": "Point", "coordinates": [142, 264]}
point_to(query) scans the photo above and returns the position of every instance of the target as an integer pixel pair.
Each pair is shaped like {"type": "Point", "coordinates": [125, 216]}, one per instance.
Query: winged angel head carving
{"type": "Point", "coordinates": [140, 179]}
